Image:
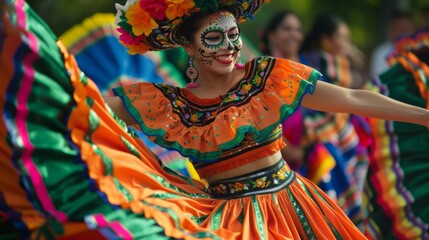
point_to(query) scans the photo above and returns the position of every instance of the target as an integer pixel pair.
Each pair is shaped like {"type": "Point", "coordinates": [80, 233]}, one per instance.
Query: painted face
{"type": "Point", "coordinates": [219, 41]}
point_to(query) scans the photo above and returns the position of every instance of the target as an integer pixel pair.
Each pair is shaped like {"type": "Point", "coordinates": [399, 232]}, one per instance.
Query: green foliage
{"type": "Point", "coordinates": [367, 19]}
{"type": "Point", "coordinates": [63, 14]}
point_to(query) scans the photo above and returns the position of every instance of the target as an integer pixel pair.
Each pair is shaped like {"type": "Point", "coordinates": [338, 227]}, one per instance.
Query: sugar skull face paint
{"type": "Point", "coordinates": [221, 31]}
{"type": "Point", "coordinates": [219, 40]}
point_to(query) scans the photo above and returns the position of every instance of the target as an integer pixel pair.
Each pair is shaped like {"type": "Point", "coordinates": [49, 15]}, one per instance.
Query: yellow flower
{"type": "Point", "coordinates": [246, 87]}
{"type": "Point", "coordinates": [179, 103]}
{"type": "Point", "coordinates": [261, 182]}
{"type": "Point", "coordinates": [245, 5]}
{"type": "Point", "coordinates": [281, 175]}
{"type": "Point", "coordinates": [238, 186]}
{"type": "Point", "coordinates": [137, 49]}
{"type": "Point", "coordinates": [140, 20]}
{"type": "Point", "coordinates": [194, 118]}
{"type": "Point", "coordinates": [178, 8]}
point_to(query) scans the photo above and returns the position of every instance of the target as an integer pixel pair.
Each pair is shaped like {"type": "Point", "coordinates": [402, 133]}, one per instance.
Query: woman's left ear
{"type": "Point", "coordinates": [188, 49]}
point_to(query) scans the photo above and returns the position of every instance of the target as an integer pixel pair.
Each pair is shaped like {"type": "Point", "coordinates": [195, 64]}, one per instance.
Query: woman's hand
{"type": "Point", "coordinates": [331, 98]}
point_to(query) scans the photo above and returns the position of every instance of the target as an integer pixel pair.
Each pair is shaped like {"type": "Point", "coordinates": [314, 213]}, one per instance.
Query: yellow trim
{"type": "Point", "coordinates": [89, 25]}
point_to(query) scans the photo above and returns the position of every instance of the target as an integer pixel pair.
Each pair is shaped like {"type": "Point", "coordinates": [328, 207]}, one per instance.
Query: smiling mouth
{"type": "Point", "coordinates": [225, 58]}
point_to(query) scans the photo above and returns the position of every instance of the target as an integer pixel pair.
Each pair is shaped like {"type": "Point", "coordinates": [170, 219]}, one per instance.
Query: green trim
{"type": "Point", "coordinates": [166, 195]}
{"type": "Point", "coordinates": [301, 216]}
{"type": "Point", "coordinates": [175, 218]}
{"type": "Point", "coordinates": [259, 219]}
{"type": "Point", "coordinates": [116, 118]}
{"type": "Point", "coordinates": [166, 184]}
{"type": "Point", "coordinates": [334, 231]}
{"type": "Point", "coordinates": [107, 163]}
{"type": "Point", "coordinates": [83, 78]}
{"type": "Point", "coordinates": [197, 220]}
{"type": "Point", "coordinates": [216, 218]}
{"type": "Point", "coordinates": [306, 86]}
{"type": "Point", "coordinates": [130, 147]}
{"type": "Point", "coordinates": [123, 190]}
{"type": "Point", "coordinates": [277, 203]}
{"type": "Point", "coordinates": [94, 123]}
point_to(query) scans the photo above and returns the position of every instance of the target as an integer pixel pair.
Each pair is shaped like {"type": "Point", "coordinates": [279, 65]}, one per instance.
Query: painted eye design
{"type": "Point", "coordinates": [234, 37]}
{"type": "Point", "coordinates": [213, 39]}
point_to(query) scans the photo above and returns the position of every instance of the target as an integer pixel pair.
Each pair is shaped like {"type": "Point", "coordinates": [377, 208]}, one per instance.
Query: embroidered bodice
{"type": "Point", "coordinates": [222, 133]}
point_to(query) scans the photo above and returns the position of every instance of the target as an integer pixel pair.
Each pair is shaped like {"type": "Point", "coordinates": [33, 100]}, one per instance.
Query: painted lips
{"type": "Point", "coordinates": [225, 58]}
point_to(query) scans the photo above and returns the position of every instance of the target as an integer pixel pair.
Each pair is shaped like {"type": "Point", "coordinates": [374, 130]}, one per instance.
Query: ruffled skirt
{"type": "Point", "coordinates": [396, 193]}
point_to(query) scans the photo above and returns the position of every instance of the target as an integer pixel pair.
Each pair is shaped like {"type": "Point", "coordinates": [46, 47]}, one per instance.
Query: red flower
{"type": "Point", "coordinates": [155, 8]}
{"type": "Point", "coordinates": [127, 38]}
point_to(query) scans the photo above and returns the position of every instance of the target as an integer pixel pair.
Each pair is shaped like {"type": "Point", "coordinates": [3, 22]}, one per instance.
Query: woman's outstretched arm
{"type": "Point", "coordinates": [331, 98]}
{"type": "Point", "coordinates": [117, 106]}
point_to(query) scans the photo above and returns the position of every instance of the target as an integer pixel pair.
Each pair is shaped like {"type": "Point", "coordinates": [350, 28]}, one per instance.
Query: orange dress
{"type": "Point", "coordinates": [75, 170]}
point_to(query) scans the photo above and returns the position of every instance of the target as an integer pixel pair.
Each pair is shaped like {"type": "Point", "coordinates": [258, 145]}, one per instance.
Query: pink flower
{"type": "Point", "coordinates": [155, 8]}
{"type": "Point", "coordinates": [127, 38]}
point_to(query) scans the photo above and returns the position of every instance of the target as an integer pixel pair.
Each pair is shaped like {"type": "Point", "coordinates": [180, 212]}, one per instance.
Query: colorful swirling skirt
{"type": "Point", "coordinates": [69, 168]}
{"type": "Point", "coordinates": [396, 193]}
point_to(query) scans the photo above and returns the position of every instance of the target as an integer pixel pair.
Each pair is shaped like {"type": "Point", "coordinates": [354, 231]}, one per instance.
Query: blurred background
{"type": "Point", "coordinates": [368, 20]}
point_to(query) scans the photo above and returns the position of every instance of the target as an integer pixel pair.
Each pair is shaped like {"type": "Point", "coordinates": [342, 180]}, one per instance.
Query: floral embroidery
{"type": "Point", "coordinates": [263, 64]}
{"type": "Point", "coordinates": [195, 117]}
{"type": "Point", "coordinates": [261, 182]}
{"type": "Point", "coordinates": [271, 179]}
{"type": "Point", "coordinates": [220, 189]}
{"type": "Point", "coordinates": [192, 114]}
{"type": "Point", "coordinates": [246, 88]}
{"type": "Point", "coordinates": [257, 81]}
{"type": "Point", "coordinates": [239, 186]}
{"type": "Point", "coordinates": [179, 103]}
{"type": "Point", "coordinates": [280, 175]}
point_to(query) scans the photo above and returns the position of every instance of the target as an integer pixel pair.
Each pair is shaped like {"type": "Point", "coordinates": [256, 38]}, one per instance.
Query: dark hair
{"type": "Point", "coordinates": [272, 25]}
{"type": "Point", "coordinates": [423, 54]}
{"type": "Point", "coordinates": [190, 26]}
{"type": "Point", "coordinates": [323, 25]}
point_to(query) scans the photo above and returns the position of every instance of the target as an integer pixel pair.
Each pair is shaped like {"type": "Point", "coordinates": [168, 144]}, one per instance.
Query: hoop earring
{"type": "Point", "coordinates": [192, 74]}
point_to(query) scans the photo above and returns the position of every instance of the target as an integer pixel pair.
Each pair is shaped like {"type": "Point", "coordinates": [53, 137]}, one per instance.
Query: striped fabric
{"type": "Point", "coordinates": [396, 192]}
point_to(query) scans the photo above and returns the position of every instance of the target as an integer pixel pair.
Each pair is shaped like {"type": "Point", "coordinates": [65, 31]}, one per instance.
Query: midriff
{"type": "Point", "coordinates": [247, 168]}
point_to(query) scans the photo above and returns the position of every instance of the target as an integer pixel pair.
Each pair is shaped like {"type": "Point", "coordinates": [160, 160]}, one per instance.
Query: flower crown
{"type": "Point", "coordinates": [150, 25]}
